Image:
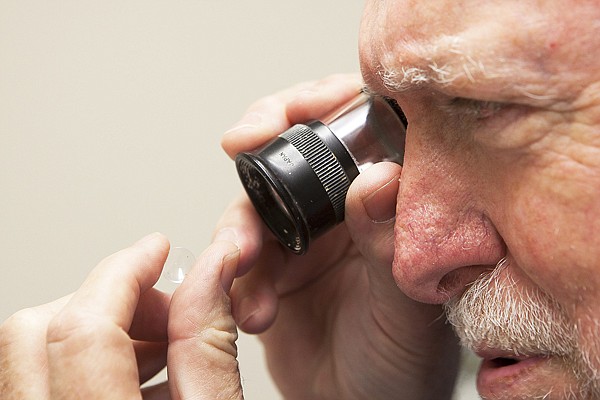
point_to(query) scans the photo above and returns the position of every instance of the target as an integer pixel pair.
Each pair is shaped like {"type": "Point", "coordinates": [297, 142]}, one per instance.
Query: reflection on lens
{"type": "Point", "coordinates": [266, 198]}
{"type": "Point", "coordinates": [281, 213]}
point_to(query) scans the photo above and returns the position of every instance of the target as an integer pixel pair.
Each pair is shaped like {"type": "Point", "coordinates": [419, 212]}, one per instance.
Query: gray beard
{"type": "Point", "coordinates": [495, 313]}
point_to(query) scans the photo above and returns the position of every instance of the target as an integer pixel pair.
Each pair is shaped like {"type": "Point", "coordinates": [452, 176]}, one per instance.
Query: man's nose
{"type": "Point", "coordinates": [444, 238]}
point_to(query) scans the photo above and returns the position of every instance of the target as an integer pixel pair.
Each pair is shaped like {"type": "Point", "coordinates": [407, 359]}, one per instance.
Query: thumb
{"type": "Point", "coordinates": [370, 215]}
{"type": "Point", "coordinates": [202, 353]}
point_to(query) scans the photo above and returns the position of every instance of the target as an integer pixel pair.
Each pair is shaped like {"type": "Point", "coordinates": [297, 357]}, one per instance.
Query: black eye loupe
{"type": "Point", "coordinates": [298, 181]}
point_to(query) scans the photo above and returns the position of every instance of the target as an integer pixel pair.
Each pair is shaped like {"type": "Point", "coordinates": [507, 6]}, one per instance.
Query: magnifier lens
{"type": "Point", "coordinates": [298, 181]}
{"type": "Point", "coordinates": [266, 194]}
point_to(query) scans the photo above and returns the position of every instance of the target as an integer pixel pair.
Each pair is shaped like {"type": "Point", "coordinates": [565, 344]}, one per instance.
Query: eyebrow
{"type": "Point", "coordinates": [447, 65]}
{"type": "Point", "coordinates": [407, 77]}
{"type": "Point", "coordinates": [441, 63]}
{"type": "Point", "coordinates": [467, 79]}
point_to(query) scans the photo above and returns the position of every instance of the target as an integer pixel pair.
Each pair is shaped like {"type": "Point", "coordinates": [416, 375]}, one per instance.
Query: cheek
{"type": "Point", "coordinates": [550, 229]}
{"type": "Point", "coordinates": [587, 321]}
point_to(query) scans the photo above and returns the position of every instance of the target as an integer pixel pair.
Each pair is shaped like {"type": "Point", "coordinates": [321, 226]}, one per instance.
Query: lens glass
{"type": "Point", "coordinates": [270, 205]}
{"type": "Point", "coordinates": [277, 209]}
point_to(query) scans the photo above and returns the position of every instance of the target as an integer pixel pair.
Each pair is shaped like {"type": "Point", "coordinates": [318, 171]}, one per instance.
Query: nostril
{"type": "Point", "coordinates": [456, 281]}
{"type": "Point", "coordinates": [432, 287]}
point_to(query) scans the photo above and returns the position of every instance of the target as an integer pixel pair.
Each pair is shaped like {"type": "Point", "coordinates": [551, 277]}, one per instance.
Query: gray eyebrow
{"type": "Point", "coordinates": [409, 76]}
{"type": "Point", "coordinates": [448, 64]}
{"type": "Point", "coordinates": [442, 62]}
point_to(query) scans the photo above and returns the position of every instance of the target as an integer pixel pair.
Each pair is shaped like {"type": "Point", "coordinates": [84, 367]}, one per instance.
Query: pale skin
{"type": "Point", "coordinates": [116, 332]}
{"type": "Point", "coordinates": [502, 160]}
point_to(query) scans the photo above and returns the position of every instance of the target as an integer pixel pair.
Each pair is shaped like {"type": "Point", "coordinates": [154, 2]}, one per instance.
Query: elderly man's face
{"type": "Point", "coordinates": [502, 163]}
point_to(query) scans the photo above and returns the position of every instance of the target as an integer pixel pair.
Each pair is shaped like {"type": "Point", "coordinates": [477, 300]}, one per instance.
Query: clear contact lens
{"type": "Point", "coordinates": [179, 262]}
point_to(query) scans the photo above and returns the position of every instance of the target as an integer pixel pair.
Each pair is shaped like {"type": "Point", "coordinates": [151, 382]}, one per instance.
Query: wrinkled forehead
{"type": "Point", "coordinates": [506, 43]}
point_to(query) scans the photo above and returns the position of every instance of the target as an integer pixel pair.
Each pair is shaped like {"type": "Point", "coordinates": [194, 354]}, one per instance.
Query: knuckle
{"type": "Point", "coordinates": [19, 325]}
{"type": "Point", "coordinates": [222, 341]}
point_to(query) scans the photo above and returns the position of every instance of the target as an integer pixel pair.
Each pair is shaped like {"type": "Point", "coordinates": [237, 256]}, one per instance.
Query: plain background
{"type": "Point", "coordinates": [111, 113]}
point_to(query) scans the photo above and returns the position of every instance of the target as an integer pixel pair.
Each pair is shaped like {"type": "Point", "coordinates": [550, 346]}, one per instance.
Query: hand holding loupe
{"type": "Point", "coordinates": [298, 181]}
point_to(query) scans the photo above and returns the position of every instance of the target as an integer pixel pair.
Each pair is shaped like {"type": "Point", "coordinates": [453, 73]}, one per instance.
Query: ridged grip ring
{"type": "Point", "coordinates": [325, 165]}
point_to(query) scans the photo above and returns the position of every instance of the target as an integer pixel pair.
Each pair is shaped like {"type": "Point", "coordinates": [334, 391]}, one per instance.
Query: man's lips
{"type": "Point", "coordinates": [500, 369]}
{"type": "Point", "coordinates": [501, 357]}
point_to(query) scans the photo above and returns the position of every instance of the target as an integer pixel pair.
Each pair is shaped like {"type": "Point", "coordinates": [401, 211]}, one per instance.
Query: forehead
{"type": "Point", "coordinates": [512, 48]}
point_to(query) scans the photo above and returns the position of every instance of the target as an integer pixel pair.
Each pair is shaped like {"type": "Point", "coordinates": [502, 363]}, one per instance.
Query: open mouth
{"type": "Point", "coordinates": [500, 362]}
{"type": "Point", "coordinates": [502, 370]}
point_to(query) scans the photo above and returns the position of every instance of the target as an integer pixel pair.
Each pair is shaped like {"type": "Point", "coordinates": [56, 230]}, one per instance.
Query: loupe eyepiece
{"type": "Point", "coordinates": [298, 181]}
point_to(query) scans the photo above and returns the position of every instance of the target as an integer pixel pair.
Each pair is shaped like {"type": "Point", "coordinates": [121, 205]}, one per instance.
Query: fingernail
{"type": "Point", "coordinates": [228, 273]}
{"type": "Point", "coordinates": [380, 205]}
{"type": "Point", "coordinates": [227, 235]}
{"type": "Point", "coordinates": [248, 308]}
{"type": "Point", "coordinates": [250, 121]}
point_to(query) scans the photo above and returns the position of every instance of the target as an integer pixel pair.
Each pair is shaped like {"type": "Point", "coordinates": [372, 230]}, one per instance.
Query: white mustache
{"type": "Point", "coordinates": [496, 313]}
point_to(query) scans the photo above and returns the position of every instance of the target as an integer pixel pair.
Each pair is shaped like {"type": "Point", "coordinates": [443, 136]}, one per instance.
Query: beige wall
{"type": "Point", "coordinates": [110, 118]}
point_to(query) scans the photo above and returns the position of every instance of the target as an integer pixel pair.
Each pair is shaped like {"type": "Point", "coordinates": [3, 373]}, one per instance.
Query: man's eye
{"type": "Point", "coordinates": [471, 108]}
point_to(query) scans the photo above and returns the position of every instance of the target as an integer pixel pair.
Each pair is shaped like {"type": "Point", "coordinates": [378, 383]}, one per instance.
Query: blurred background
{"type": "Point", "coordinates": [111, 113]}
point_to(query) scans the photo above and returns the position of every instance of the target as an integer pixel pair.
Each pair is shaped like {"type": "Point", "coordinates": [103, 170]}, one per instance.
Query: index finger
{"type": "Point", "coordinates": [273, 114]}
{"type": "Point", "coordinates": [113, 288]}
{"type": "Point", "coordinates": [90, 354]}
